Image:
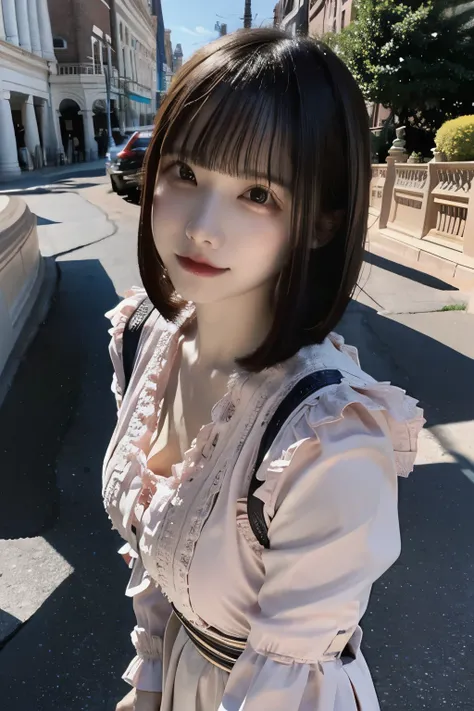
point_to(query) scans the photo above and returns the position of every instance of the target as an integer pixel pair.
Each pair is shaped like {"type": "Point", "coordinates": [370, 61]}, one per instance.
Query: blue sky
{"type": "Point", "coordinates": [192, 22]}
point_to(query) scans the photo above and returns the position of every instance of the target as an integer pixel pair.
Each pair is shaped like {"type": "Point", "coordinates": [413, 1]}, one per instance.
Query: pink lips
{"type": "Point", "coordinates": [199, 268]}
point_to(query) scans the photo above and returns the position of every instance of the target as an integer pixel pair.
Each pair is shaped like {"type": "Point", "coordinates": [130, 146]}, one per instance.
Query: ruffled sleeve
{"type": "Point", "coordinates": [119, 317]}
{"type": "Point", "coordinates": [331, 505]}
{"type": "Point", "coordinates": [152, 611]}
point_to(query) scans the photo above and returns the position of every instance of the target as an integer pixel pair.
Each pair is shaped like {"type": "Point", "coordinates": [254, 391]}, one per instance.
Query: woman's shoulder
{"type": "Point", "coordinates": [359, 403]}
{"type": "Point", "coordinates": [119, 316]}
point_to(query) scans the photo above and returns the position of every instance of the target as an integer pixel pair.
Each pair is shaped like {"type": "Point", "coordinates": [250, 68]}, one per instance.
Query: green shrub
{"type": "Point", "coordinates": [455, 138]}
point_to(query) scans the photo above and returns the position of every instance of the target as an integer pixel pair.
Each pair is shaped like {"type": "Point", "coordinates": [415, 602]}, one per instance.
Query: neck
{"type": "Point", "coordinates": [231, 329]}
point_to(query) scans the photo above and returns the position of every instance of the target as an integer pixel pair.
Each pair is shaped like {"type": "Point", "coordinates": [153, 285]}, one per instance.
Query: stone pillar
{"type": "Point", "coordinates": [9, 21]}
{"type": "Point", "coordinates": [49, 135]}
{"type": "Point", "coordinates": [89, 140]}
{"type": "Point", "coordinates": [30, 123]}
{"type": "Point", "coordinates": [387, 193]}
{"type": "Point", "coordinates": [46, 35]}
{"type": "Point", "coordinates": [2, 26]}
{"type": "Point", "coordinates": [56, 116]}
{"type": "Point", "coordinates": [23, 24]}
{"type": "Point", "coordinates": [9, 166]}
{"type": "Point", "coordinates": [34, 26]}
{"type": "Point", "coordinates": [468, 246]}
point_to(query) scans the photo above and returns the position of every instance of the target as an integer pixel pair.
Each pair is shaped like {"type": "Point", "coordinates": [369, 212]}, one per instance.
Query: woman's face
{"type": "Point", "coordinates": [203, 219]}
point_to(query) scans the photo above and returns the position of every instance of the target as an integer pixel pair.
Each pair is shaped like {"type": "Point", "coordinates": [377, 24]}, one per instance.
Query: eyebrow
{"type": "Point", "coordinates": [257, 175]}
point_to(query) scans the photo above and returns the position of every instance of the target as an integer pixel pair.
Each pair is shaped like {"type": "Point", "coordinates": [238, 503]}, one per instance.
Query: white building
{"type": "Point", "coordinates": [29, 132]}
{"type": "Point", "coordinates": [135, 44]}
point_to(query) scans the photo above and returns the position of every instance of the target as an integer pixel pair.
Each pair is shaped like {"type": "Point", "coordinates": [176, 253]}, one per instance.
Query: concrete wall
{"type": "Point", "coordinates": [21, 271]}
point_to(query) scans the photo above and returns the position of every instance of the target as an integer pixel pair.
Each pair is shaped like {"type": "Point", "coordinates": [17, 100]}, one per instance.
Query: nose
{"type": "Point", "coordinates": [206, 225]}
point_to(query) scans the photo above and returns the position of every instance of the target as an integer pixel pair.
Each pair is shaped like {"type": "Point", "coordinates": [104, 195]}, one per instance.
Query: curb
{"type": "Point", "coordinates": [37, 315]}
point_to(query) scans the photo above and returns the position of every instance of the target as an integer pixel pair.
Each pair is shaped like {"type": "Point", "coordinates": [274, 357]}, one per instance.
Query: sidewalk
{"type": "Point", "coordinates": [37, 178]}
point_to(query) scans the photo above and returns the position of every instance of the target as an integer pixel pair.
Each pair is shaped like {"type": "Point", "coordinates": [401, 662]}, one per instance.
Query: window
{"type": "Point", "coordinates": [126, 35]}
{"type": "Point", "coordinates": [121, 32]}
{"type": "Point", "coordinates": [59, 43]}
{"type": "Point", "coordinates": [343, 19]}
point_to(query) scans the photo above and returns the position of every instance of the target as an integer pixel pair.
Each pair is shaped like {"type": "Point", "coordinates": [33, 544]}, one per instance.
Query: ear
{"type": "Point", "coordinates": [326, 228]}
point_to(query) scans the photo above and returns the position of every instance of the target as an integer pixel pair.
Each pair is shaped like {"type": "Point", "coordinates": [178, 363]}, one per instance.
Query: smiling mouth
{"type": "Point", "coordinates": [199, 268]}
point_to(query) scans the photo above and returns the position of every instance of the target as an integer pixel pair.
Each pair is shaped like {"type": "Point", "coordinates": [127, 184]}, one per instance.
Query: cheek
{"type": "Point", "coordinates": [266, 242]}
{"type": "Point", "coordinates": [167, 218]}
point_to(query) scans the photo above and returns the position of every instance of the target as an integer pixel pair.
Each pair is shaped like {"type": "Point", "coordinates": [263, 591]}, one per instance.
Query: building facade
{"type": "Point", "coordinates": [82, 35]}
{"type": "Point", "coordinates": [292, 16]}
{"type": "Point", "coordinates": [135, 43]}
{"type": "Point", "coordinates": [329, 16]}
{"type": "Point", "coordinates": [28, 131]}
{"type": "Point", "coordinates": [101, 44]}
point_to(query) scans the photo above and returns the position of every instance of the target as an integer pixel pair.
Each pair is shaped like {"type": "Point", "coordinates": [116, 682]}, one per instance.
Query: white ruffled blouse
{"type": "Point", "coordinates": [329, 488]}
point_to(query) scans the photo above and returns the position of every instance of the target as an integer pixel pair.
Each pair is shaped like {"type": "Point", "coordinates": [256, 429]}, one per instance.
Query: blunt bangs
{"type": "Point", "coordinates": [238, 128]}
{"type": "Point", "coordinates": [260, 104]}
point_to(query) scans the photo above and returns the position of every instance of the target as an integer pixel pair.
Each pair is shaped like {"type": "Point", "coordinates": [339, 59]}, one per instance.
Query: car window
{"type": "Point", "coordinates": [142, 141]}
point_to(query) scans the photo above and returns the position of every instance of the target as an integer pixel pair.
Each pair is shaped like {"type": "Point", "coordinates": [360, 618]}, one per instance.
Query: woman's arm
{"type": "Point", "coordinates": [333, 533]}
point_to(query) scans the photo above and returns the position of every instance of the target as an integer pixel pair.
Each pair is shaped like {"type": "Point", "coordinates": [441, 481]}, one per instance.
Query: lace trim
{"type": "Point", "coordinates": [143, 421]}
{"type": "Point", "coordinates": [173, 518]}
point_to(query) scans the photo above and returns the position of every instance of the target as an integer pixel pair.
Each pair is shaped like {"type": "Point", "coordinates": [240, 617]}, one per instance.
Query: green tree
{"type": "Point", "coordinates": [414, 57]}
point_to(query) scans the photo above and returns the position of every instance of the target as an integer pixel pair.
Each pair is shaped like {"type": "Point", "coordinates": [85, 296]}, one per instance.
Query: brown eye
{"type": "Point", "coordinates": [185, 173]}
{"type": "Point", "coordinates": [259, 195]}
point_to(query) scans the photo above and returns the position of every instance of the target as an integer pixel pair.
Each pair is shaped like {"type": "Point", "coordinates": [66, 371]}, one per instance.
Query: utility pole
{"type": "Point", "coordinates": [248, 14]}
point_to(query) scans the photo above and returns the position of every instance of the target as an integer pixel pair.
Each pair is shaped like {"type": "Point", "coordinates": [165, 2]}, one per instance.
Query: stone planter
{"type": "Point", "coordinates": [21, 270]}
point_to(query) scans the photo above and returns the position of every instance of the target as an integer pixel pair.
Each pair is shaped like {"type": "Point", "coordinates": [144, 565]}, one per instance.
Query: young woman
{"type": "Point", "coordinates": [251, 240]}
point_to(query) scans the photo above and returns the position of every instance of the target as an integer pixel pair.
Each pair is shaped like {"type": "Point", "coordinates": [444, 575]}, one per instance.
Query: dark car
{"type": "Point", "coordinates": [125, 171]}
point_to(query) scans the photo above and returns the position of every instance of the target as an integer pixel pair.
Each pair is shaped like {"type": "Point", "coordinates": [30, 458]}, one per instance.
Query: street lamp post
{"type": "Point", "coordinates": [108, 81]}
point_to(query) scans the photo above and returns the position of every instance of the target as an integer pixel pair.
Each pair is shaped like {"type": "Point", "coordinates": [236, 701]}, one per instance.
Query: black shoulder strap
{"type": "Point", "coordinates": [131, 337]}
{"type": "Point", "coordinates": [305, 387]}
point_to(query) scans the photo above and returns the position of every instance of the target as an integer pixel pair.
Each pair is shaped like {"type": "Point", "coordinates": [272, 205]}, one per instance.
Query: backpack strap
{"type": "Point", "coordinates": [308, 385]}
{"type": "Point", "coordinates": [131, 337]}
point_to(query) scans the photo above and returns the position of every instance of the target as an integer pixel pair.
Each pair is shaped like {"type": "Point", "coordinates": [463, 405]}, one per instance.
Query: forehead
{"type": "Point", "coordinates": [237, 132]}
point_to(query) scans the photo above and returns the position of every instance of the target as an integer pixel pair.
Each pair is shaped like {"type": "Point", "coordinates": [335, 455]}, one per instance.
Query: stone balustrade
{"type": "Point", "coordinates": [21, 270]}
{"type": "Point", "coordinates": [432, 202]}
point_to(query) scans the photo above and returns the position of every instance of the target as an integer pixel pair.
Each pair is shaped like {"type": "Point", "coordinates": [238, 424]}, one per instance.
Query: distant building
{"type": "Point", "coordinates": [168, 49]}
{"type": "Point", "coordinates": [177, 58]}
{"type": "Point", "coordinates": [160, 49]}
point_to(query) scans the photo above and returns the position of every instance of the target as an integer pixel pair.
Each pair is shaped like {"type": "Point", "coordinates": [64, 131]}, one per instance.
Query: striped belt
{"type": "Point", "coordinates": [219, 649]}
{"type": "Point", "coordinates": [223, 651]}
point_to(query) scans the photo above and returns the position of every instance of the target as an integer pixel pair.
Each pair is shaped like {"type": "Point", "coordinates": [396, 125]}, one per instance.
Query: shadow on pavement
{"type": "Point", "coordinates": [58, 419]}
{"type": "Point", "coordinates": [56, 422]}
{"type": "Point", "coordinates": [419, 638]}
{"type": "Point", "coordinates": [408, 272]}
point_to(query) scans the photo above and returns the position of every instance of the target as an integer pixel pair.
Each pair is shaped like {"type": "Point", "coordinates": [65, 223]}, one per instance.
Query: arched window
{"type": "Point", "coordinates": [59, 43]}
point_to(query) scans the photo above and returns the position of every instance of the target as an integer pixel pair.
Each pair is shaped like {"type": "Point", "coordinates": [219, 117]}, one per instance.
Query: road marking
{"type": "Point", "coordinates": [469, 473]}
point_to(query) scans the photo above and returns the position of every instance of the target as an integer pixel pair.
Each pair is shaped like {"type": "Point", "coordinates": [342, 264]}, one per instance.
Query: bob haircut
{"type": "Point", "coordinates": [259, 102]}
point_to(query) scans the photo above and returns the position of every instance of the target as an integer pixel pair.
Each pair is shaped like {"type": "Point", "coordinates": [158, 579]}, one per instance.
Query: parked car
{"type": "Point", "coordinates": [120, 141]}
{"type": "Point", "coordinates": [125, 168]}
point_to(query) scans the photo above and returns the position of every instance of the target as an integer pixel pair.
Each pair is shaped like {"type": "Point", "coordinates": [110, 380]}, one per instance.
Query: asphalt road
{"type": "Point", "coordinates": [66, 621]}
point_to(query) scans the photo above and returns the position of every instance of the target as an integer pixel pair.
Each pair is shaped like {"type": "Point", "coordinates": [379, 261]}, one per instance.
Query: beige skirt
{"type": "Point", "coordinates": [191, 683]}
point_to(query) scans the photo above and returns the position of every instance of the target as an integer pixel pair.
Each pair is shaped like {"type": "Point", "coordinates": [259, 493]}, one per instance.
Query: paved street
{"type": "Point", "coordinates": [64, 621]}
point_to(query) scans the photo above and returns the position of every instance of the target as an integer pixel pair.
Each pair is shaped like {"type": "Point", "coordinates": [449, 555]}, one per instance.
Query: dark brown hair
{"type": "Point", "coordinates": [260, 101]}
